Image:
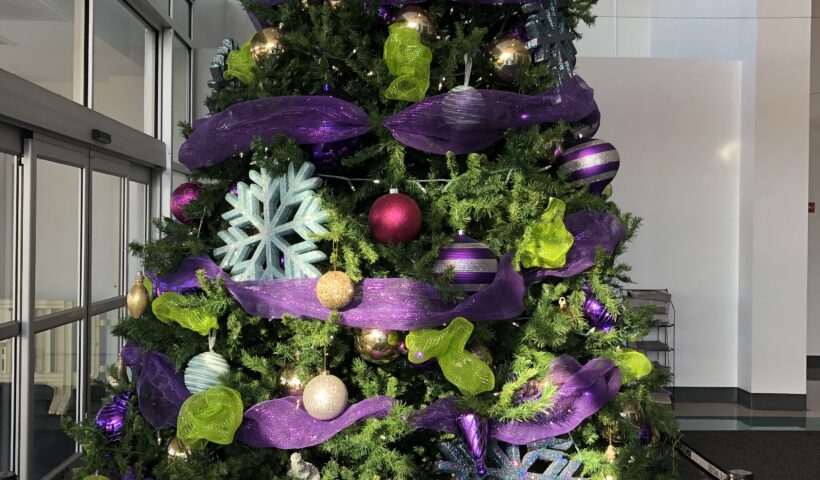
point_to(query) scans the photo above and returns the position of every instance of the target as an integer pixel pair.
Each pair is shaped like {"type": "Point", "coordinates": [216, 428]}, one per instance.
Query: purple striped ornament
{"type": "Point", "coordinates": [474, 263]}
{"type": "Point", "coordinates": [593, 163]}
{"type": "Point", "coordinates": [596, 313]}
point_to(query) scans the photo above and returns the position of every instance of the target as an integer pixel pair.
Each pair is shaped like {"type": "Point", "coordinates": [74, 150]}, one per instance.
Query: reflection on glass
{"type": "Point", "coordinates": [178, 179]}
{"type": "Point", "coordinates": [103, 351]}
{"type": "Point", "coordinates": [57, 272]}
{"type": "Point", "coordinates": [182, 17]}
{"type": "Point", "coordinates": [7, 163]}
{"type": "Point", "coordinates": [106, 237]}
{"type": "Point", "coordinates": [137, 224]}
{"type": "Point", "coordinates": [38, 40]}
{"type": "Point", "coordinates": [181, 95]}
{"type": "Point", "coordinates": [6, 377]}
{"type": "Point", "coordinates": [55, 394]}
{"type": "Point", "coordinates": [123, 66]}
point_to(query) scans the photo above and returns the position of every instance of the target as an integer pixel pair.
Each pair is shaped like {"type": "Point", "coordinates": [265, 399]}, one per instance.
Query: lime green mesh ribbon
{"type": "Point", "coordinates": [547, 241]}
{"type": "Point", "coordinates": [463, 369]}
{"type": "Point", "coordinates": [172, 307]}
{"type": "Point", "coordinates": [241, 65]}
{"type": "Point", "coordinates": [634, 365]}
{"type": "Point", "coordinates": [210, 416]}
{"type": "Point", "coordinates": [409, 60]}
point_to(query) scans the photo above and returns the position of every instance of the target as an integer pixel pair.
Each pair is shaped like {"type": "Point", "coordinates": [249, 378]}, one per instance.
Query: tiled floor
{"type": "Point", "coordinates": [725, 416]}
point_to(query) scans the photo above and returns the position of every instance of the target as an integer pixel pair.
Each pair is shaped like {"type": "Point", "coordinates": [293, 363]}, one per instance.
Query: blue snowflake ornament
{"type": "Point", "coordinates": [508, 464]}
{"type": "Point", "coordinates": [266, 217]}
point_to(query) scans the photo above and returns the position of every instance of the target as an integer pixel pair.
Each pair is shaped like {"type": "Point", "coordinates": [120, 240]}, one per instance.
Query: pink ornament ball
{"type": "Point", "coordinates": [395, 218]}
{"type": "Point", "coordinates": [181, 197]}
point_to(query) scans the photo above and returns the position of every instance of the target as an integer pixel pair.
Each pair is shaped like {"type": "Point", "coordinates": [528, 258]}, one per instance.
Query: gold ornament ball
{"type": "Point", "coordinates": [177, 449]}
{"type": "Point", "coordinates": [325, 397]}
{"type": "Point", "coordinates": [290, 382]}
{"type": "Point", "coordinates": [267, 43]}
{"type": "Point", "coordinates": [376, 345]}
{"type": "Point", "coordinates": [509, 57]}
{"type": "Point", "coordinates": [417, 19]}
{"type": "Point", "coordinates": [335, 290]}
{"type": "Point", "coordinates": [611, 454]}
{"type": "Point", "coordinates": [482, 352]}
{"type": "Point", "coordinates": [137, 299]}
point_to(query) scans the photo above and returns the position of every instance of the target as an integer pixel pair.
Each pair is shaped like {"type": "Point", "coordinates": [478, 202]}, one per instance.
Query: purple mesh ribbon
{"type": "Point", "coordinates": [388, 303]}
{"type": "Point", "coordinates": [284, 424]}
{"type": "Point", "coordinates": [131, 354]}
{"type": "Point", "coordinates": [160, 390]}
{"type": "Point", "coordinates": [591, 230]}
{"type": "Point", "coordinates": [585, 391]}
{"type": "Point", "coordinates": [423, 126]}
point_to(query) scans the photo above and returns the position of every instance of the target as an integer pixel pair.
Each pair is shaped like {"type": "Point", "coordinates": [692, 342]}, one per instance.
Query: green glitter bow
{"type": "Point", "coordinates": [463, 369]}
{"type": "Point", "coordinates": [171, 307]}
{"type": "Point", "coordinates": [546, 242]}
{"type": "Point", "coordinates": [409, 60]}
{"type": "Point", "coordinates": [210, 416]}
{"type": "Point", "coordinates": [241, 65]}
{"type": "Point", "coordinates": [634, 365]}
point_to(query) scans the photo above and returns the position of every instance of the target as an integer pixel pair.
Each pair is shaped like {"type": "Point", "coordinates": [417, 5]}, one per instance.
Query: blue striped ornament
{"type": "Point", "coordinates": [593, 163]}
{"type": "Point", "coordinates": [204, 370]}
{"type": "Point", "coordinates": [474, 263]}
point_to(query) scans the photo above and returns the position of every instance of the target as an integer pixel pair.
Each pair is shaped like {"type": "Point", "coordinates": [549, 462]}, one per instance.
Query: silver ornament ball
{"type": "Point", "coordinates": [204, 370]}
{"type": "Point", "coordinates": [463, 107]}
{"type": "Point", "coordinates": [325, 397]}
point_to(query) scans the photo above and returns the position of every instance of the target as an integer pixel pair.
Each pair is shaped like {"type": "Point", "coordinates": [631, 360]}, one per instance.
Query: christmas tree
{"type": "Point", "coordinates": [396, 260]}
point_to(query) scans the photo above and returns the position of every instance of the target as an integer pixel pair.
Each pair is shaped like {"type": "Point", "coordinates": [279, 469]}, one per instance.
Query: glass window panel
{"type": "Point", "coordinates": [181, 95]}
{"type": "Point", "coordinates": [38, 44]}
{"type": "Point", "coordinates": [137, 224]}
{"type": "Point", "coordinates": [104, 350]}
{"type": "Point", "coordinates": [7, 163]}
{"type": "Point", "coordinates": [124, 59]}
{"type": "Point", "coordinates": [182, 17]}
{"type": "Point", "coordinates": [55, 394]}
{"type": "Point", "coordinates": [6, 379]}
{"type": "Point", "coordinates": [163, 6]}
{"type": "Point", "coordinates": [178, 179]}
{"type": "Point", "coordinates": [57, 271]}
{"type": "Point", "coordinates": [106, 236]}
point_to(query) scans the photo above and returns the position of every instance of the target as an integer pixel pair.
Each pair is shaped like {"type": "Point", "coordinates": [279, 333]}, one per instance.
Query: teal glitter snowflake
{"type": "Point", "coordinates": [508, 464]}
{"type": "Point", "coordinates": [273, 222]}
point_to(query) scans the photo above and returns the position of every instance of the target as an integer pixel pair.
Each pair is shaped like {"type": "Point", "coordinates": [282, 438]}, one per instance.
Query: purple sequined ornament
{"type": "Point", "coordinates": [596, 313]}
{"type": "Point", "coordinates": [181, 197]}
{"type": "Point", "coordinates": [475, 265]}
{"type": "Point", "coordinates": [111, 417]}
{"type": "Point", "coordinates": [473, 428]}
{"type": "Point", "coordinates": [592, 163]}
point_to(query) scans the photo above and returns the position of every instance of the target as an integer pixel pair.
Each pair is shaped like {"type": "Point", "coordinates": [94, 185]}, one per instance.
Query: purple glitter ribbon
{"type": "Point", "coordinates": [160, 390]}
{"type": "Point", "coordinates": [581, 395]}
{"type": "Point", "coordinates": [423, 126]}
{"type": "Point", "coordinates": [284, 424]}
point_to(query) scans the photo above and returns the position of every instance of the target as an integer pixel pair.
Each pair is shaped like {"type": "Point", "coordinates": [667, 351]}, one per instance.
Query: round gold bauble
{"type": "Point", "coordinates": [137, 299]}
{"type": "Point", "coordinates": [266, 43]}
{"type": "Point", "coordinates": [335, 290]}
{"type": "Point", "coordinates": [325, 397]}
{"type": "Point", "coordinates": [417, 19]}
{"type": "Point", "coordinates": [482, 352]}
{"type": "Point", "coordinates": [290, 382]}
{"type": "Point", "coordinates": [177, 449]}
{"type": "Point", "coordinates": [376, 345]}
{"type": "Point", "coordinates": [509, 57]}
{"type": "Point", "coordinates": [611, 454]}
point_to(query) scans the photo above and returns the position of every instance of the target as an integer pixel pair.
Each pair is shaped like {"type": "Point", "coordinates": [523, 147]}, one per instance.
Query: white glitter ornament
{"type": "Point", "coordinates": [302, 470]}
{"type": "Point", "coordinates": [204, 370]}
{"type": "Point", "coordinates": [266, 215]}
{"type": "Point", "coordinates": [325, 397]}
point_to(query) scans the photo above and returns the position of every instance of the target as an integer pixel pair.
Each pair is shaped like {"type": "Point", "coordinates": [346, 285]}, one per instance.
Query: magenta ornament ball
{"type": "Point", "coordinates": [181, 197]}
{"type": "Point", "coordinates": [395, 218]}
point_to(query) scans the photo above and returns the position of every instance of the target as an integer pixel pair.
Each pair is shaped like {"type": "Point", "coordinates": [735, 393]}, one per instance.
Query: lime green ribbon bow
{"type": "Point", "coordinates": [409, 60]}
{"type": "Point", "coordinates": [547, 241]}
{"type": "Point", "coordinates": [463, 369]}
{"type": "Point", "coordinates": [241, 65]}
{"type": "Point", "coordinates": [171, 307]}
{"type": "Point", "coordinates": [213, 415]}
{"type": "Point", "coordinates": [634, 365]}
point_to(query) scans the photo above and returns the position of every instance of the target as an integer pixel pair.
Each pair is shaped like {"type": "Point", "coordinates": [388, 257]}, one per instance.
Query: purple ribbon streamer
{"type": "Point", "coordinates": [423, 126]}
{"type": "Point", "coordinates": [284, 424]}
{"type": "Point", "coordinates": [585, 391]}
{"type": "Point", "coordinates": [160, 390]}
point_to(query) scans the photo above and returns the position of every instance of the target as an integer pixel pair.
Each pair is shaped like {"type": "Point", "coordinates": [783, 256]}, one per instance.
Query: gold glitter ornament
{"type": "Point", "coordinates": [509, 57]}
{"type": "Point", "coordinates": [290, 382]}
{"type": "Point", "coordinates": [325, 397]}
{"type": "Point", "coordinates": [417, 19]}
{"type": "Point", "coordinates": [335, 290]}
{"type": "Point", "coordinates": [137, 299]}
{"type": "Point", "coordinates": [610, 454]}
{"type": "Point", "coordinates": [376, 345]}
{"type": "Point", "coordinates": [177, 449]}
{"type": "Point", "coordinates": [266, 43]}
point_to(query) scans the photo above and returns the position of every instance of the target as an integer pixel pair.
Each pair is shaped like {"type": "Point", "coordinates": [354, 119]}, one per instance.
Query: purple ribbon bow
{"type": "Point", "coordinates": [161, 390]}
